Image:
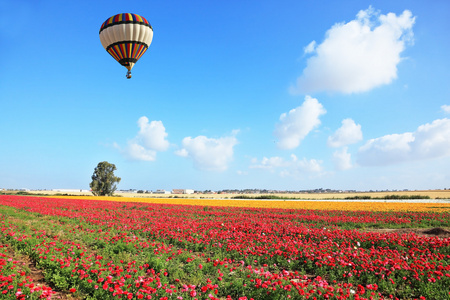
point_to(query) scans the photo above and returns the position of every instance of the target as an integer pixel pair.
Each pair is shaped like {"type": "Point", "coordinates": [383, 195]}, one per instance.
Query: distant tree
{"type": "Point", "coordinates": [103, 180]}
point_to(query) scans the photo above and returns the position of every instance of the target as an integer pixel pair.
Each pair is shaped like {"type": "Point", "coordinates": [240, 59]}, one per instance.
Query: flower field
{"type": "Point", "coordinates": [100, 249]}
{"type": "Point", "coordinates": [286, 204]}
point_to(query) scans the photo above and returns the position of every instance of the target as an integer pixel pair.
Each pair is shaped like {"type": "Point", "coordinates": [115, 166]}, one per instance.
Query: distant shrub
{"type": "Point", "coordinates": [23, 193]}
{"type": "Point", "coordinates": [358, 198]}
{"type": "Point", "coordinates": [403, 197]}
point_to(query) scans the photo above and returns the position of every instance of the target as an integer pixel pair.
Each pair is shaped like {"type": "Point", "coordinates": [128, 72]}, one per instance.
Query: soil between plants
{"type": "Point", "coordinates": [436, 232]}
{"type": "Point", "coordinates": [37, 275]}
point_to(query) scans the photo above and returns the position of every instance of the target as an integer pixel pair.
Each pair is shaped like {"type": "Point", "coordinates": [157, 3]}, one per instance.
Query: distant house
{"type": "Point", "coordinates": [70, 190]}
{"type": "Point", "coordinates": [161, 192]}
{"type": "Point", "coordinates": [182, 191]}
{"type": "Point", "coordinates": [128, 191]}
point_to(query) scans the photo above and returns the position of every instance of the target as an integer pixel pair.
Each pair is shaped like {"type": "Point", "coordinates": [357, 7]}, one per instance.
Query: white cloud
{"type": "Point", "coordinates": [291, 167]}
{"type": "Point", "coordinates": [139, 152]}
{"type": "Point", "coordinates": [153, 135]}
{"type": "Point", "coordinates": [305, 165]}
{"type": "Point", "coordinates": [446, 108]}
{"type": "Point", "coordinates": [182, 153]}
{"type": "Point", "coordinates": [342, 159]}
{"type": "Point", "coordinates": [310, 48]}
{"type": "Point", "coordinates": [295, 125]}
{"type": "Point", "coordinates": [348, 133]}
{"type": "Point", "coordinates": [386, 150]}
{"type": "Point", "coordinates": [433, 140]}
{"type": "Point", "coordinates": [150, 139]}
{"type": "Point", "coordinates": [269, 163]}
{"type": "Point", "coordinates": [359, 55]}
{"type": "Point", "coordinates": [208, 153]}
{"type": "Point", "coordinates": [427, 142]}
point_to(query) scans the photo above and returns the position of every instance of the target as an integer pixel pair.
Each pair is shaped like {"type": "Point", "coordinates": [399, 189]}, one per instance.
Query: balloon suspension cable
{"type": "Point", "coordinates": [129, 74]}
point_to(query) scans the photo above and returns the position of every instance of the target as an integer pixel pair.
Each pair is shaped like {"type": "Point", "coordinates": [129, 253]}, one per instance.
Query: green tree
{"type": "Point", "coordinates": [103, 180]}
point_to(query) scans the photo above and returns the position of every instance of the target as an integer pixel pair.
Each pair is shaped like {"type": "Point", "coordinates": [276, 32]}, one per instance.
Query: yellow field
{"type": "Point", "coordinates": [290, 204]}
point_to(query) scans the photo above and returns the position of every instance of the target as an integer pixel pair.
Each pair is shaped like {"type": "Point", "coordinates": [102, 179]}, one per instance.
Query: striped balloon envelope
{"type": "Point", "coordinates": [126, 37]}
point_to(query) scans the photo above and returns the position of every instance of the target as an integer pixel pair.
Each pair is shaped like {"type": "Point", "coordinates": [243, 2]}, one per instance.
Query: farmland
{"type": "Point", "coordinates": [432, 194]}
{"type": "Point", "coordinates": [117, 248]}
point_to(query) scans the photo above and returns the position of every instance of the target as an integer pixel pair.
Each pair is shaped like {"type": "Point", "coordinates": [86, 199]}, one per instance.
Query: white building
{"type": "Point", "coordinates": [161, 192]}
{"type": "Point", "coordinates": [182, 191]}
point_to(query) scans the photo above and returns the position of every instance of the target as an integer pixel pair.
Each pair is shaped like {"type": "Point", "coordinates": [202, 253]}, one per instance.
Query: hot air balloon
{"type": "Point", "coordinates": [126, 37]}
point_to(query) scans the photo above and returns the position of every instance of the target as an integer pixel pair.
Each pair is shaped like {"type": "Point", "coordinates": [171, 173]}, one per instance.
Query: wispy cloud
{"type": "Point", "coordinates": [310, 48]}
{"type": "Point", "coordinates": [359, 55]}
{"type": "Point", "coordinates": [446, 108]}
{"type": "Point", "coordinates": [294, 167]}
{"type": "Point", "coordinates": [269, 163]}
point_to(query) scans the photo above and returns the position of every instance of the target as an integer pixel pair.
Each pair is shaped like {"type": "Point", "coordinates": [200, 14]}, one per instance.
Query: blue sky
{"type": "Point", "coordinates": [286, 95]}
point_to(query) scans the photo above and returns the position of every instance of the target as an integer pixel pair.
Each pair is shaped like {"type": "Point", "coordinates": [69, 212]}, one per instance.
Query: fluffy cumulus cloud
{"type": "Point", "coordinates": [295, 125]}
{"type": "Point", "coordinates": [150, 139]}
{"type": "Point", "coordinates": [359, 55]}
{"type": "Point", "coordinates": [348, 133]}
{"type": "Point", "coordinates": [152, 135]}
{"type": "Point", "coordinates": [342, 159]}
{"type": "Point", "coordinates": [208, 153]}
{"type": "Point", "coordinates": [292, 167]}
{"type": "Point", "coordinates": [136, 151]}
{"type": "Point", "coordinates": [429, 141]}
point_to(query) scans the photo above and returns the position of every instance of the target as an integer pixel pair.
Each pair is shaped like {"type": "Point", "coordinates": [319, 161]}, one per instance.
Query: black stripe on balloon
{"type": "Point", "coordinates": [125, 22]}
{"type": "Point", "coordinates": [126, 61]}
{"type": "Point", "coordinates": [127, 42]}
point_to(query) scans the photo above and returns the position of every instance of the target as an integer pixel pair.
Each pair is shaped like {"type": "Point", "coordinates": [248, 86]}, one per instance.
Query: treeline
{"type": "Point", "coordinates": [387, 197]}
{"type": "Point", "coordinates": [262, 197]}
{"type": "Point", "coordinates": [390, 197]}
